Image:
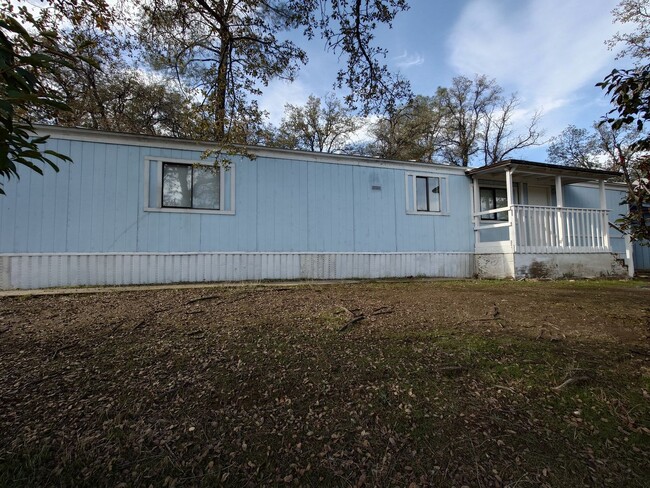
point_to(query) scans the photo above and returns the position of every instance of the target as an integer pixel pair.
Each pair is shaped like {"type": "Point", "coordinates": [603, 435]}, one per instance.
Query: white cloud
{"type": "Point", "coordinates": [362, 134]}
{"type": "Point", "coordinates": [278, 94]}
{"type": "Point", "coordinates": [406, 60]}
{"type": "Point", "coordinates": [547, 50]}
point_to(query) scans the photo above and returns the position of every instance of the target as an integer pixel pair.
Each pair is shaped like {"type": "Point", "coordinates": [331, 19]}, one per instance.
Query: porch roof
{"type": "Point", "coordinates": [542, 170]}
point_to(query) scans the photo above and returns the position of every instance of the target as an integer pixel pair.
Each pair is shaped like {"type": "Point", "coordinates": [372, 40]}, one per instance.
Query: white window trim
{"type": "Point", "coordinates": [149, 160]}
{"type": "Point", "coordinates": [412, 205]}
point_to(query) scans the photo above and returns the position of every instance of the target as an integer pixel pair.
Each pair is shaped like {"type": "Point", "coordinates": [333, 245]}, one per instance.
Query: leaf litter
{"type": "Point", "coordinates": [434, 384]}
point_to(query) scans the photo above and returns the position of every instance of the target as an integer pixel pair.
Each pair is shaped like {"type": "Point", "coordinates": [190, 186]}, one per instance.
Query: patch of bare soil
{"type": "Point", "coordinates": [414, 383]}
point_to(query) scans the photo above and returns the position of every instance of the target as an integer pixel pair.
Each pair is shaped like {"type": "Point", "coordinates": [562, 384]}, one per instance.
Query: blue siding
{"type": "Point", "coordinates": [60, 188]}
{"type": "Point", "coordinates": [330, 199]}
{"type": "Point", "coordinates": [278, 206]}
{"type": "Point", "coordinates": [641, 257]}
{"type": "Point", "coordinates": [589, 197]}
{"type": "Point", "coordinates": [451, 233]}
{"type": "Point", "coordinates": [97, 204]}
{"type": "Point", "coordinates": [374, 210]}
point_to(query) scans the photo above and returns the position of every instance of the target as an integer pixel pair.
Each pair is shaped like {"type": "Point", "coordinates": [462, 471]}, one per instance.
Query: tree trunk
{"type": "Point", "coordinates": [222, 86]}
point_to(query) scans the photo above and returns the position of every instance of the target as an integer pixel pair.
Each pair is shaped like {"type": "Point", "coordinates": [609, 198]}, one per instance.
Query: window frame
{"type": "Point", "coordinates": [153, 169]}
{"type": "Point", "coordinates": [427, 191]}
{"type": "Point", "coordinates": [494, 186]}
{"type": "Point", "coordinates": [493, 217]}
{"type": "Point", "coordinates": [411, 194]}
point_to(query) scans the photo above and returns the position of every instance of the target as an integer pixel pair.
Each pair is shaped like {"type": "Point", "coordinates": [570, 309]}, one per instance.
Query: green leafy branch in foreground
{"type": "Point", "coordinates": [23, 60]}
{"type": "Point", "coordinates": [630, 94]}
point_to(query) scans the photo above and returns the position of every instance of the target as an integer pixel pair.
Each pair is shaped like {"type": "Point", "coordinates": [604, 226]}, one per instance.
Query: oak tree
{"type": "Point", "coordinates": [574, 147]}
{"type": "Point", "coordinates": [221, 53]}
{"type": "Point", "coordinates": [319, 125]}
{"type": "Point", "coordinates": [228, 50]}
{"type": "Point", "coordinates": [467, 123]}
{"type": "Point", "coordinates": [410, 132]}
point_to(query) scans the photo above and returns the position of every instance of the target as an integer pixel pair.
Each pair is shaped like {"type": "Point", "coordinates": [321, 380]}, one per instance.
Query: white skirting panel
{"type": "Point", "coordinates": [29, 271]}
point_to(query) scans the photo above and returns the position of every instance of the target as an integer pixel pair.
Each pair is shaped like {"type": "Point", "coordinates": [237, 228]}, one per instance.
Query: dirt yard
{"type": "Point", "coordinates": [418, 383]}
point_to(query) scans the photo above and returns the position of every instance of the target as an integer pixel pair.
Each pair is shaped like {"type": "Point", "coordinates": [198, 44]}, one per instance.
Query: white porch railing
{"type": "Point", "coordinates": [542, 229]}
{"type": "Point", "coordinates": [554, 229]}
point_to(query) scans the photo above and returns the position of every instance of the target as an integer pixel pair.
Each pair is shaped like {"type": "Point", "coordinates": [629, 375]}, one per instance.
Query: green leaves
{"type": "Point", "coordinates": [23, 60]}
{"type": "Point", "coordinates": [629, 92]}
{"type": "Point", "coordinates": [319, 125]}
{"type": "Point", "coordinates": [348, 28]}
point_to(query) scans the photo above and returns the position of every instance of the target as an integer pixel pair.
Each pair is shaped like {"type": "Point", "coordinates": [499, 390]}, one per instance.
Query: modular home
{"type": "Point", "coordinates": [135, 209]}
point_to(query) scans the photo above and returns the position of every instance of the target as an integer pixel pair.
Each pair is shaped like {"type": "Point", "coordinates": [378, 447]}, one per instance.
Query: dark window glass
{"type": "Point", "coordinates": [177, 185]}
{"type": "Point", "coordinates": [493, 198]}
{"type": "Point", "coordinates": [427, 194]}
{"type": "Point", "coordinates": [421, 193]}
{"type": "Point", "coordinates": [187, 186]}
{"type": "Point", "coordinates": [205, 191]}
{"type": "Point", "coordinates": [434, 194]}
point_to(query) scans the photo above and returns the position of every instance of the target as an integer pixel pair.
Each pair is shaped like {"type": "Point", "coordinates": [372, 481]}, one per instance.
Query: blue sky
{"type": "Point", "coordinates": [551, 52]}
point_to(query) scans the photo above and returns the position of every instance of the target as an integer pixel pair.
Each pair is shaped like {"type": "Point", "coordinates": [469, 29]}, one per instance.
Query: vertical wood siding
{"type": "Point", "coordinates": [96, 205]}
{"type": "Point", "coordinates": [641, 257]}
{"type": "Point", "coordinates": [588, 197]}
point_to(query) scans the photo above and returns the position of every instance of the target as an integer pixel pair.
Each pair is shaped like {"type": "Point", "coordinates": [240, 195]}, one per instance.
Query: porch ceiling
{"type": "Point", "coordinates": [542, 172]}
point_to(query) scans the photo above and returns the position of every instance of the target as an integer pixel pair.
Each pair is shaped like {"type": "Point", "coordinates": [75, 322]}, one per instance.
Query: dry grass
{"type": "Point", "coordinates": [434, 384]}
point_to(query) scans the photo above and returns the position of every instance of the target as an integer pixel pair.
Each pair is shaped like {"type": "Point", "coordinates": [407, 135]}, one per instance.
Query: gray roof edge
{"type": "Point", "coordinates": [596, 173]}
{"type": "Point", "coordinates": [86, 134]}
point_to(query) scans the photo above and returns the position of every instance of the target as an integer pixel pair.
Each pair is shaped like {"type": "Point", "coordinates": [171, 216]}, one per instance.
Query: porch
{"type": "Point", "coordinates": [545, 229]}
{"type": "Point", "coordinates": [528, 215]}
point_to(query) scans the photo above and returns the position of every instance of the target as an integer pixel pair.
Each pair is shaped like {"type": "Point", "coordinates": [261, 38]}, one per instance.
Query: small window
{"type": "Point", "coordinates": [427, 193]}
{"type": "Point", "coordinates": [190, 186]}
{"type": "Point", "coordinates": [491, 199]}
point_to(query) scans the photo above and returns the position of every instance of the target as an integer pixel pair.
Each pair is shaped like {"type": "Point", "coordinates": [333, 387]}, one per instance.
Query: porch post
{"type": "Point", "coordinates": [511, 212]}
{"type": "Point", "coordinates": [559, 197]}
{"type": "Point", "coordinates": [605, 217]}
{"type": "Point", "coordinates": [629, 255]}
{"type": "Point", "coordinates": [477, 209]}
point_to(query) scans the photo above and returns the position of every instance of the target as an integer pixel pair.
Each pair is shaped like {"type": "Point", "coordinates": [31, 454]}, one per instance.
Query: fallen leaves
{"type": "Point", "coordinates": [248, 387]}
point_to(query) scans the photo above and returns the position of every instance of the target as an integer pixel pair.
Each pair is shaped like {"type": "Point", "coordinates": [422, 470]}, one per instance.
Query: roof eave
{"type": "Point", "coordinates": [545, 169]}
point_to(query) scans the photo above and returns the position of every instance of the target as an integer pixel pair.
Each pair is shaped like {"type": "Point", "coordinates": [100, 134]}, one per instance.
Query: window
{"type": "Point", "coordinates": [427, 194]}
{"type": "Point", "coordinates": [491, 199]}
{"type": "Point", "coordinates": [190, 186]}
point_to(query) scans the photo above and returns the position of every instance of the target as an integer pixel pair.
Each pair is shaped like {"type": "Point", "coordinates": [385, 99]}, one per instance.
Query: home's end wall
{"type": "Point", "coordinates": [587, 196]}
{"type": "Point", "coordinates": [641, 257]}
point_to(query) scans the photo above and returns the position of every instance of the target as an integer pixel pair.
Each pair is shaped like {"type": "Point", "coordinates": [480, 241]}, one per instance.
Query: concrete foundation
{"type": "Point", "coordinates": [494, 265]}
{"type": "Point", "coordinates": [551, 266]}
